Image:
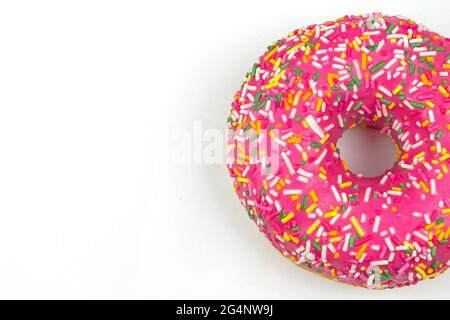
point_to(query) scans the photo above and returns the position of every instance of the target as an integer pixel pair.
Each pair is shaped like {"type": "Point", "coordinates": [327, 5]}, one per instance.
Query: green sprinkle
{"type": "Point", "coordinates": [390, 28]}
{"type": "Point", "coordinates": [356, 81]}
{"type": "Point", "coordinates": [304, 202]}
{"type": "Point", "coordinates": [351, 242]}
{"type": "Point", "coordinates": [433, 251]}
{"type": "Point", "coordinates": [255, 66]}
{"type": "Point", "coordinates": [440, 220]}
{"type": "Point", "coordinates": [258, 97]}
{"type": "Point", "coordinates": [387, 275]}
{"type": "Point", "coordinates": [284, 65]}
{"type": "Point", "coordinates": [281, 215]}
{"type": "Point", "coordinates": [385, 101]}
{"type": "Point", "coordinates": [436, 264]}
{"type": "Point", "coordinates": [298, 118]}
{"type": "Point", "coordinates": [378, 66]}
{"type": "Point", "coordinates": [412, 69]}
{"type": "Point", "coordinates": [439, 134]}
{"type": "Point", "coordinates": [316, 76]}
{"type": "Point", "coordinates": [294, 229]}
{"type": "Point", "coordinates": [258, 106]}
{"type": "Point", "coordinates": [262, 191]}
{"type": "Point", "coordinates": [279, 97]}
{"type": "Point", "coordinates": [316, 144]}
{"type": "Point", "coordinates": [317, 246]}
{"type": "Point", "coordinates": [358, 106]}
{"type": "Point", "coordinates": [417, 105]}
{"type": "Point", "coordinates": [298, 71]}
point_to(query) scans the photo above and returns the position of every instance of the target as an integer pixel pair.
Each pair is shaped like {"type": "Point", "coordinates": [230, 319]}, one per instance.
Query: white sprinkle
{"type": "Point", "coordinates": [292, 192]}
{"type": "Point", "coordinates": [389, 244]}
{"type": "Point", "coordinates": [305, 173]}
{"type": "Point", "coordinates": [376, 224]}
{"type": "Point", "coordinates": [420, 236]}
{"type": "Point", "coordinates": [288, 163]}
{"type": "Point", "coordinates": [314, 126]}
{"type": "Point", "coordinates": [379, 263]}
{"type": "Point", "coordinates": [335, 193]}
{"type": "Point", "coordinates": [433, 186]}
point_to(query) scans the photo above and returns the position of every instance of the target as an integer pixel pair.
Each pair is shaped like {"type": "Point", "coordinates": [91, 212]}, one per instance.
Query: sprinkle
{"type": "Point", "coordinates": [356, 226]}
{"type": "Point", "coordinates": [313, 227]}
{"type": "Point", "coordinates": [314, 126]}
{"type": "Point", "coordinates": [287, 218]}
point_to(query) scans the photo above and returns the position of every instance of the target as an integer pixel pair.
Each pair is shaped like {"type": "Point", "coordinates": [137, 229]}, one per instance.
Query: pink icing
{"type": "Point", "coordinates": [379, 71]}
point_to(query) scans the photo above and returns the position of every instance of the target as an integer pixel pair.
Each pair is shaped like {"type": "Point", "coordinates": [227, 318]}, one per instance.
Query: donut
{"type": "Point", "coordinates": [376, 71]}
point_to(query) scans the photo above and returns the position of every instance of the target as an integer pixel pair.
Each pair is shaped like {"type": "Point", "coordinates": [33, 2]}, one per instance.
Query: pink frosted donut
{"type": "Point", "coordinates": [376, 71]}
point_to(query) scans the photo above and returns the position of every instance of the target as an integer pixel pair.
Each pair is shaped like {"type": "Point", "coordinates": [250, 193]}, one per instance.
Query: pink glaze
{"type": "Point", "coordinates": [379, 71]}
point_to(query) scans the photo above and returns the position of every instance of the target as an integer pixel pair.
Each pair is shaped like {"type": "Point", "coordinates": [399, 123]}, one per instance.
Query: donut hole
{"type": "Point", "coordinates": [367, 152]}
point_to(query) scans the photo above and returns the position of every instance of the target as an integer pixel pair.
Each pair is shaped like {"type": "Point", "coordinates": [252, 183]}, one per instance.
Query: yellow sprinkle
{"type": "Point", "coordinates": [444, 91]}
{"type": "Point", "coordinates": [243, 180]}
{"type": "Point", "coordinates": [430, 103]}
{"type": "Point", "coordinates": [446, 210]}
{"type": "Point", "coordinates": [313, 196]}
{"type": "Point", "coordinates": [325, 138]}
{"type": "Point", "coordinates": [421, 272]}
{"type": "Point", "coordinates": [271, 53]}
{"type": "Point", "coordinates": [294, 239]}
{"type": "Point", "coordinates": [288, 217]}
{"type": "Point", "coordinates": [446, 66]}
{"type": "Point", "coordinates": [311, 208]}
{"type": "Point", "coordinates": [419, 155]}
{"type": "Point", "coordinates": [297, 97]}
{"type": "Point", "coordinates": [424, 79]}
{"type": "Point", "coordinates": [361, 251]}
{"type": "Point", "coordinates": [424, 186]}
{"type": "Point", "coordinates": [356, 226]}
{"type": "Point", "coordinates": [304, 156]}
{"type": "Point", "coordinates": [277, 64]}
{"type": "Point", "coordinates": [313, 227]}
{"type": "Point", "coordinates": [271, 85]}
{"type": "Point", "coordinates": [335, 239]}
{"type": "Point", "coordinates": [330, 214]}
{"type": "Point", "coordinates": [397, 90]}
{"type": "Point", "coordinates": [444, 168]}
{"type": "Point", "coordinates": [364, 61]}
{"type": "Point", "coordinates": [444, 157]}
{"type": "Point", "coordinates": [278, 76]}
{"type": "Point", "coordinates": [345, 184]}
{"type": "Point", "coordinates": [319, 104]}
{"type": "Point", "coordinates": [429, 226]}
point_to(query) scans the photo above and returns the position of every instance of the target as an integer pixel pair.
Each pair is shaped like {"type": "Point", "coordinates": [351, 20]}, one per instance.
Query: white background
{"type": "Point", "coordinates": [91, 203]}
